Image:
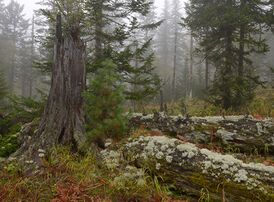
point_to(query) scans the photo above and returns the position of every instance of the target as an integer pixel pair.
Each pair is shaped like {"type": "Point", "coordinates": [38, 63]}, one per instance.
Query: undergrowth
{"type": "Point", "coordinates": [13, 116]}
{"type": "Point", "coordinates": [261, 106]}
{"type": "Point", "coordinates": [72, 177]}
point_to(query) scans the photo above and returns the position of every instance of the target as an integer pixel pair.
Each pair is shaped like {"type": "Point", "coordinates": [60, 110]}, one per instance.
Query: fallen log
{"type": "Point", "coordinates": [236, 133]}
{"type": "Point", "coordinates": [191, 169]}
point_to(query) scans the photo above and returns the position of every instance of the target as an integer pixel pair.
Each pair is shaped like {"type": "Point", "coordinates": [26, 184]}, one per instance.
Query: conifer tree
{"type": "Point", "coordinates": [14, 27]}
{"type": "Point", "coordinates": [228, 38]}
{"type": "Point", "coordinates": [3, 89]}
{"type": "Point", "coordinates": [114, 25]}
{"type": "Point", "coordinates": [104, 104]}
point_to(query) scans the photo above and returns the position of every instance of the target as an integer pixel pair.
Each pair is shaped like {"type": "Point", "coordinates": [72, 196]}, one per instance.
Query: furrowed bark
{"type": "Point", "coordinates": [63, 120]}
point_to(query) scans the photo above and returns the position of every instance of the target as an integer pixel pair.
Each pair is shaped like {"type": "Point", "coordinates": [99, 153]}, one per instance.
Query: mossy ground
{"type": "Point", "coordinates": [72, 177]}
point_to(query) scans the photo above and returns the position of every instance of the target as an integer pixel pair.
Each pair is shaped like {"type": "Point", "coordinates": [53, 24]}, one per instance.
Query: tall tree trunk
{"type": "Point", "coordinates": [174, 65]}
{"type": "Point", "coordinates": [24, 81]}
{"type": "Point", "coordinates": [161, 101]}
{"type": "Point", "coordinates": [242, 44]}
{"type": "Point", "coordinates": [136, 65]}
{"type": "Point", "coordinates": [191, 68]}
{"type": "Point", "coordinates": [227, 70]}
{"type": "Point", "coordinates": [186, 77]}
{"type": "Point", "coordinates": [63, 120]}
{"type": "Point", "coordinates": [32, 59]}
{"type": "Point", "coordinates": [206, 73]}
{"type": "Point", "coordinates": [11, 79]}
{"type": "Point", "coordinates": [98, 14]}
{"type": "Point", "coordinates": [207, 65]}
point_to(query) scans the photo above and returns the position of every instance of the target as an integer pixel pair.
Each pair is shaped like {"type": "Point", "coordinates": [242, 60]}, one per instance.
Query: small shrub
{"type": "Point", "coordinates": [104, 101]}
{"type": "Point", "coordinates": [8, 145]}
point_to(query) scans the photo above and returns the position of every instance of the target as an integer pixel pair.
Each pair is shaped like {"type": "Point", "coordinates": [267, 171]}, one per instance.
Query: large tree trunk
{"type": "Point", "coordinates": [63, 118]}
{"type": "Point", "coordinates": [194, 172]}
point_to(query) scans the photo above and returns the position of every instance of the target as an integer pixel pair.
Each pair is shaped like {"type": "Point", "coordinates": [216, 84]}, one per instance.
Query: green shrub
{"type": "Point", "coordinates": [8, 145]}
{"type": "Point", "coordinates": [104, 104]}
{"type": "Point", "coordinates": [18, 112]}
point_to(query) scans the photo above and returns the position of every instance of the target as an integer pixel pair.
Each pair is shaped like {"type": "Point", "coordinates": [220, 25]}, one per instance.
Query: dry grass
{"type": "Point", "coordinates": [261, 106]}
{"type": "Point", "coordinates": [69, 177]}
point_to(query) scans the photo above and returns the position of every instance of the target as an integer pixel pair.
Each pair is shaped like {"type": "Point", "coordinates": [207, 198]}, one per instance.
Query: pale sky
{"type": "Point", "coordinates": [30, 5]}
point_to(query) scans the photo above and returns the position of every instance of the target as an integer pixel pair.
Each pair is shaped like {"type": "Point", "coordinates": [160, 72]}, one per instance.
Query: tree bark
{"type": "Point", "coordinates": [228, 67]}
{"type": "Point", "coordinates": [191, 68]}
{"type": "Point", "coordinates": [174, 63]}
{"type": "Point", "coordinates": [161, 101]}
{"type": "Point", "coordinates": [98, 14]}
{"type": "Point", "coordinates": [242, 44]}
{"type": "Point", "coordinates": [32, 59]}
{"type": "Point", "coordinates": [63, 120]}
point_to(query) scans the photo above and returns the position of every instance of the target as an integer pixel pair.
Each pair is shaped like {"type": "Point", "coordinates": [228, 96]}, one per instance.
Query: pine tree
{"type": "Point", "coordinates": [163, 41]}
{"type": "Point", "coordinates": [109, 30]}
{"type": "Point", "coordinates": [104, 104]}
{"type": "Point", "coordinates": [3, 88]}
{"type": "Point", "coordinates": [14, 27]}
{"type": "Point", "coordinates": [115, 25]}
{"type": "Point", "coordinates": [171, 49]}
{"type": "Point", "coordinates": [228, 38]}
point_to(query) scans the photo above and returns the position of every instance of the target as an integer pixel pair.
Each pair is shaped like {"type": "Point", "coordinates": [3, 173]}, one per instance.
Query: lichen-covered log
{"type": "Point", "coordinates": [191, 169]}
{"type": "Point", "coordinates": [239, 133]}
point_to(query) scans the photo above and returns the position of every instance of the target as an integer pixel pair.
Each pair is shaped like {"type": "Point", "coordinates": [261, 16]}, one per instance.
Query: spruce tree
{"type": "Point", "coordinates": [104, 104]}
{"type": "Point", "coordinates": [114, 25]}
{"type": "Point", "coordinates": [14, 28]}
{"type": "Point", "coordinates": [228, 34]}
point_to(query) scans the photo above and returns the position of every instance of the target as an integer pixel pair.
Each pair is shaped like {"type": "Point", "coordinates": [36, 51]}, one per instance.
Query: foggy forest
{"type": "Point", "coordinates": [137, 100]}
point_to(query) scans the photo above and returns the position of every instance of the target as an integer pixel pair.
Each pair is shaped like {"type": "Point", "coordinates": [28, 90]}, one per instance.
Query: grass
{"type": "Point", "coordinates": [261, 106]}
{"type": "Point", "coordinates": [71, 177]}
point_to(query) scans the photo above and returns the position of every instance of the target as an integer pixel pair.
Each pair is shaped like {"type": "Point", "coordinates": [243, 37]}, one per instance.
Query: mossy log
{"type": "Point", "coordinates": [192, 170]}
{"type": "Point", "coordinates": [233, 133]}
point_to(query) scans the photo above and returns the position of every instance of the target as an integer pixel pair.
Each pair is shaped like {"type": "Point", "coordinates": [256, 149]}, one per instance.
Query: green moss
{"type": "Point", "coordinates": [238, 192]}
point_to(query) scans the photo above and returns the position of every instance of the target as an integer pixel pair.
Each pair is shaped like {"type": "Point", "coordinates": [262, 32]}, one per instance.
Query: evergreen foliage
{"type": "Point", "coordinates": [115, 39]}
{"type": "Point", "coordinates": [16, 113]}
{"type": "Point", "coordinates": [104, 100]}
{"type": "Point", "coordinates": [3, 87]}
{"type": "Point", "coordinates": [13, 30]}
{"type": "Point", "coordinates": [110, 28]}
{"type": "Point", "coordinates": [229, 32]}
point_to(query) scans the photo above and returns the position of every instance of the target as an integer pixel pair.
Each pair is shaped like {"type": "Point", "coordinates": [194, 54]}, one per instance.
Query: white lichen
{"type": "Point", "coordinates": [158, 166]}
{"type": "Point", "coordinates": [169, 159]}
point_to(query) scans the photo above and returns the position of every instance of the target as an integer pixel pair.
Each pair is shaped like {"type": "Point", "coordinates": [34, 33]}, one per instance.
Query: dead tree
{"type": "Point", "coordinates": [63, 120]}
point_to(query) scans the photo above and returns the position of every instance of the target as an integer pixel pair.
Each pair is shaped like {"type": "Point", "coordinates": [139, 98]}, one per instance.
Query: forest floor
{"type": "Point", "coordinates": [68, 177]}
